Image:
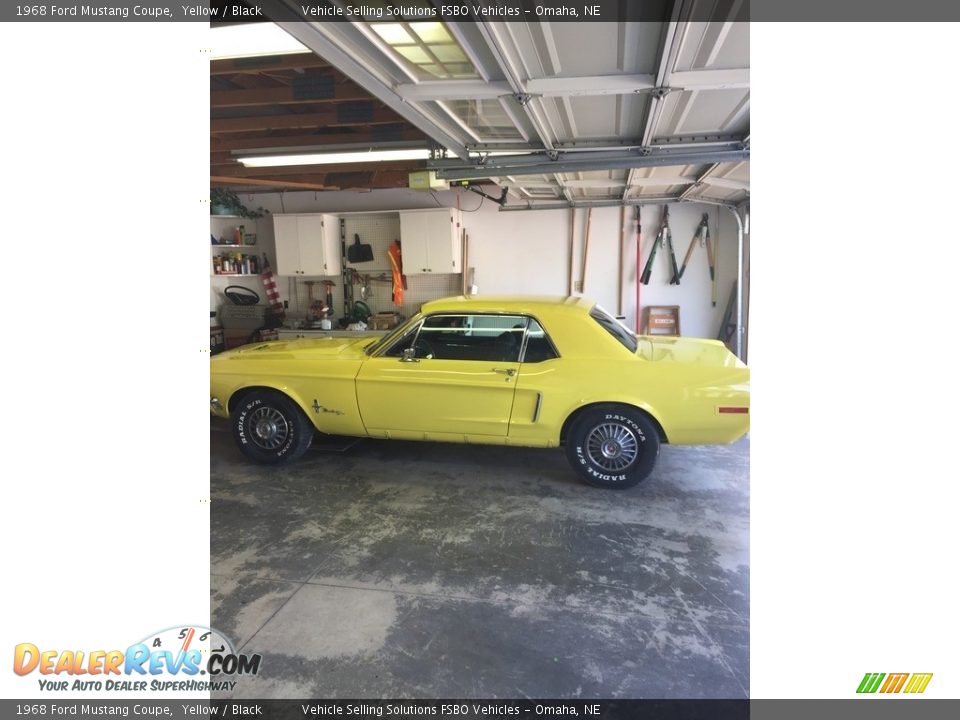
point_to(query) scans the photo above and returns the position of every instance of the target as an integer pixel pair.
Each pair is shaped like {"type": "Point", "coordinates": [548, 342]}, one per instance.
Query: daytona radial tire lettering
{"type": "Point", "coordinates": [640, 429]}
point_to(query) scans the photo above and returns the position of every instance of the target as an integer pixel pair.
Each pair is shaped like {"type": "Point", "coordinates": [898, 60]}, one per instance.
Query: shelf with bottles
{"type": "Point", "coordinates": [233, 236]}
{"type": "Point", "coordinates": [236, 263]}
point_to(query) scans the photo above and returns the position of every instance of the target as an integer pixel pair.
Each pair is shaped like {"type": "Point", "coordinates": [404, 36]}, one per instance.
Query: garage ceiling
{"type": "Point", "coordinates": [555, 113]}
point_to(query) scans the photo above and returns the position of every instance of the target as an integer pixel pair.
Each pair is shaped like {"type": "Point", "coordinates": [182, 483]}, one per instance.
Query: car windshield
{"type": "Point", "coordinates": [390, 337]}
{"type": "Point", "coordinates": [615, 328]}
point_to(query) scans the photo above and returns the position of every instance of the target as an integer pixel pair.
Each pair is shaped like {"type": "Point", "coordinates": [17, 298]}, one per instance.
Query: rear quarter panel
{"type": "Point", "coordinates": [680, 386]}
{"type": "Point", "coordinates": [684, 400]}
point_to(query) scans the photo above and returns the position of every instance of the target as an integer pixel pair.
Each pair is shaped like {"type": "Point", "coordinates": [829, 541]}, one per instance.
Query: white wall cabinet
{"type": "Point", "coordinates": [307, 244]}
{"type": "Point", "coordinates": [431, 241]}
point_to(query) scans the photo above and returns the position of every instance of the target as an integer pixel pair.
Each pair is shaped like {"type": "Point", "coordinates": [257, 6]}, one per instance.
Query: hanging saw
{"type": "Point", "coordinates": [701, 236]}
{"type": "Point", "coordinates": [663, 238]}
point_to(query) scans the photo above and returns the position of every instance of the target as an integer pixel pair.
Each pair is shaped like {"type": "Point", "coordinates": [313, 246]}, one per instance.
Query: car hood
{"type": "Point", "coordinates": [302, 347]}
{"type": "Point", "coordinates": [686, 350]}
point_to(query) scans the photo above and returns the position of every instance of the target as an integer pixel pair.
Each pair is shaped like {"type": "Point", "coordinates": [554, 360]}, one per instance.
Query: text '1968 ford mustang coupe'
{"type": "Point", "coordinates": [535, 372]}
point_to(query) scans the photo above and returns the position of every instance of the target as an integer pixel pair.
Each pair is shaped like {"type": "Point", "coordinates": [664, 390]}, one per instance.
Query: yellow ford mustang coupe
{"type": "Point", "coordinates": [536, 372]}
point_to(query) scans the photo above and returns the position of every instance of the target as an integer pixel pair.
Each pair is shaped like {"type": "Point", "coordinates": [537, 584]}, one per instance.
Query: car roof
{"type": "Point", "coordinates": [533, 304]}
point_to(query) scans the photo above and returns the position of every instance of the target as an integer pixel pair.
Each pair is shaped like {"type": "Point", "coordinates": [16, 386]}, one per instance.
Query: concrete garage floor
{"type": "Point", "coordinates": [403, 569]}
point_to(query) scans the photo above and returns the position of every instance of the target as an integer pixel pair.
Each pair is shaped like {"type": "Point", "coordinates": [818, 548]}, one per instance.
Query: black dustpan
{"type": "Point", "coordinates": [358, 252]}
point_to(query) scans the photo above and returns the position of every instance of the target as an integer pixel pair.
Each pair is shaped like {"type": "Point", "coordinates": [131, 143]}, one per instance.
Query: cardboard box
{"type": "Point", "coordinates": [236, 338]}
{"type": "Point", "coordinates": [383, 321]}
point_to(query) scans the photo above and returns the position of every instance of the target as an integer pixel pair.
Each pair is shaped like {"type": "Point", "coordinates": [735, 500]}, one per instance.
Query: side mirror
{"type": "Point", "coordinates": [409, 355]}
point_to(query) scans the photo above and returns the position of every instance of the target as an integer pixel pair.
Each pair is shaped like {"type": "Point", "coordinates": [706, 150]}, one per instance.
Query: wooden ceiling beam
{"type": "Point", "coordinates": [228, 143]}
{"type": "Point", "coordinates": [216, 180]}
{"type": "Point", "coordinates": [290, 95]}
{"type": "Point", "coordinates": [270, 63]}
{"type": "Point", "coordinates": [376, 180]}
{"type": "Point", "coordinates": [352, 180]}
{"type": "Point", "coordinates": [333, 117]}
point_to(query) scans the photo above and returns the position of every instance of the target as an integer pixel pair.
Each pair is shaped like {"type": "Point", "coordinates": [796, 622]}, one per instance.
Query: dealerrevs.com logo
{"type": "Point", "coordinates": [184, 658]}
{"type": "Point", "coordinates": [911, 683]}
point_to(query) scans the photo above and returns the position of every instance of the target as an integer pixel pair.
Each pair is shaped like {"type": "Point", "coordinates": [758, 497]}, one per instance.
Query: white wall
{"type": "Point", "coordinates": [528, 252]}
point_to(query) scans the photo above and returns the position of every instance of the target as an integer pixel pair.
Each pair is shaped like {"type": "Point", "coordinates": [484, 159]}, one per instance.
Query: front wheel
{"type": "Point", "coordinates": [613, 447]}
{"type": "Point", "coordinates": [270, 428]}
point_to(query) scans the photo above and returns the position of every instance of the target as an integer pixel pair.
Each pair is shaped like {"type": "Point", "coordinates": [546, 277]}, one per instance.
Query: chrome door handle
{"type": "Point", "coordinates": [511, 372]}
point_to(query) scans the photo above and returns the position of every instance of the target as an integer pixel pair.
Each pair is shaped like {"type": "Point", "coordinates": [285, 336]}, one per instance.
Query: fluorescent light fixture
{"type": "Point", "coordinates": [336, 157]}
{"type": "Point", "coordinates": [251, 40]}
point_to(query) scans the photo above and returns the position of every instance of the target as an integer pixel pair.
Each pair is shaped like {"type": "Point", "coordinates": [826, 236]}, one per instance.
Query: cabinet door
{"type": "Point", "coordinates": [312, 257]}
{"type": "Point", "coordinates": [413, 242]}
{"type": "Point", "coordinates": [443, 248]}
{"type": "Point", "coordinates": [331, 244]}
{"type": "Point", "coordinates": [287, 238]}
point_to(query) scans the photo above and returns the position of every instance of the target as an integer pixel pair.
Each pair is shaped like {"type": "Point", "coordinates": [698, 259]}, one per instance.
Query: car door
{"type": "Point", "coordinates": [453, 374]}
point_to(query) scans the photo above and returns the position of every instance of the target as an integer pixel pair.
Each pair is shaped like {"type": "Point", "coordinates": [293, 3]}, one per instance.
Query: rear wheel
{"type": "Point", "coordinates": [613, 447]}
{"type": "Point", "coordinates": [270, 428]}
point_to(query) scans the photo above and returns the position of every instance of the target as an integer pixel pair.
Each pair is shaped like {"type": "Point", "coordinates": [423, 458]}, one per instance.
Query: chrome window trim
{"type": "Point", "coordinates": [447, 313]}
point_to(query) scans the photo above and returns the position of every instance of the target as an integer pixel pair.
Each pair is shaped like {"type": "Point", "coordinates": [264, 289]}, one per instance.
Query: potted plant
{"type": "Point", "coordinates": [226, 202]}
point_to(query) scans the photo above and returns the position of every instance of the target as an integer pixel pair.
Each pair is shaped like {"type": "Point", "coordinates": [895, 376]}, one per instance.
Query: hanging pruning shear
{"type": "Point", "coordinates": [702, 234]}
{"type": "Point", "coordinates": [664, 237]}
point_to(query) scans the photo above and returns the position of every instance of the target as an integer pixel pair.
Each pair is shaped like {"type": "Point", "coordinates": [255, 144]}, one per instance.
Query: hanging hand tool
{"type": "Point", "coordinates": [663, 236]}
{"type": "Point", "coordinates": [668, 240]}
{"type": "Point", "coordinates": [328, 285]}
{"type": "Point", "coordinates": [315, 308]}
{"type": "Point", "coordinates": [645, 276]}
{"type": "Point", "coordinates": [713, 263]}
{"type": "Point", "coordinates": [620, 248]}
{"type": "Point", "coordinates": [697, 236]}
{"type": "Point", "coordinates": [586, 251]}
{"type": "Point", "coordinates": [638, 271]}
{"type": "Point", "coordinates": [701, 235]}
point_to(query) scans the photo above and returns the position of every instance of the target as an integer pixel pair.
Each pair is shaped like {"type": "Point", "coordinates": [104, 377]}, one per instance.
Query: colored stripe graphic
{"type": "Point", "coordinates": [918, 682]}
{"type": "Point", "coordinates": [894, 682]}
{"type": "Point", "coordinates": [870, 682]}
{"type": "Point", "coordinates": [186, 641]}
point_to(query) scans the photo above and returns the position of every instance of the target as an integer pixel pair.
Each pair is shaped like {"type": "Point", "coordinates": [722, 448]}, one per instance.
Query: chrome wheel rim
{"type": "Point", "coordinates": [269, 428]}
{"type": "Point", "coordinates": [612, 446]}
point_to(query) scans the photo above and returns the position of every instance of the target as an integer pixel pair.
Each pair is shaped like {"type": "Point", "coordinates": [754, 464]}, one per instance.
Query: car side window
{"type": "Point", "coordinates": [493, 338]}
{"type": "Point", "coordinates": [402, 343]}
{"type": "Point", "coordinates": [538, 346]}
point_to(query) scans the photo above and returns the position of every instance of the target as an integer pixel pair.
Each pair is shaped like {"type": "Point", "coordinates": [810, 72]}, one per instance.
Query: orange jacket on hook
{"type": "Point", "coordinates": [396, 263]}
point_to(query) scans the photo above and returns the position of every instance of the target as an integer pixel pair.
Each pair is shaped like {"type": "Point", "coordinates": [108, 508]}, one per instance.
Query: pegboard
{"type": "Point", "coordinates": [420, 289]}
{"type": "Point", "coordinates": [377, 230]}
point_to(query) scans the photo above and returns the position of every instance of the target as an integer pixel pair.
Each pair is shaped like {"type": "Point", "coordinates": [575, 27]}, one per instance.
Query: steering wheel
{"type": "Point", "coordinates": [239, 295]}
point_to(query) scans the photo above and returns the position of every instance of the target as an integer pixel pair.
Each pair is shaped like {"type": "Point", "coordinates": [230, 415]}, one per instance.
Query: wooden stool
{"type": "Point", "coordinates": [661, 320]}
